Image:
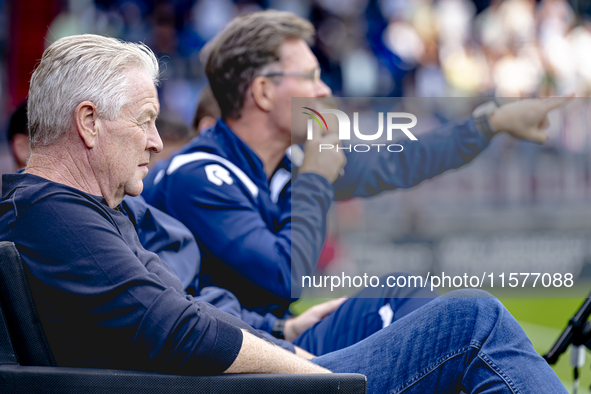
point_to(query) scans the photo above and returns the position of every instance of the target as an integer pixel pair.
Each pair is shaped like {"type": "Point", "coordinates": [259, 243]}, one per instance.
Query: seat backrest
{"type": "Point", "coordinates": [7, 352]}
{"type": "Point", "coordinates": [22, 320]}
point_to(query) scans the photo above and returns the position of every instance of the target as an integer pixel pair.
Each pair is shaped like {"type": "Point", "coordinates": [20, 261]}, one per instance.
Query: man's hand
{"type": "Point", "coordinates": [526, 119]}
{"type": "Point", "coordinates": [297, 325]}
{"type": "Point", "coordinates": [327, 163]}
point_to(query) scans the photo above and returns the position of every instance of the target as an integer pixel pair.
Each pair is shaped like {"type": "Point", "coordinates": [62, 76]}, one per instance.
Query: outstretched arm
{"type": "Point", "coordinates": [448, 147]}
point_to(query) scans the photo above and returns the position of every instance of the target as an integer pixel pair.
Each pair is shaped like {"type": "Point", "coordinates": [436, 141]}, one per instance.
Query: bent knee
{"type": "Point", "coordinates": [475, 304]}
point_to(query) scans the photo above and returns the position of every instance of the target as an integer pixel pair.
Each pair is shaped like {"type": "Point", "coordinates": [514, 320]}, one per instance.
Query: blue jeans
{"type": "Point", "coordinates": [464, 341]}
{"type": "Point", "coordinates": [360, 317]}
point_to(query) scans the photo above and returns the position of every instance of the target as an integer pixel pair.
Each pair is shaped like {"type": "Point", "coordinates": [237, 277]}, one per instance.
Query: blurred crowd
{"type": "Point", "coordinates": [425, 48]}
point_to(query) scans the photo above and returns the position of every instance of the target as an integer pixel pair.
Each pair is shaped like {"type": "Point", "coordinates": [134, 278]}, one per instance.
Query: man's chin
{"type": "Point", "coordinates": [135, 190]}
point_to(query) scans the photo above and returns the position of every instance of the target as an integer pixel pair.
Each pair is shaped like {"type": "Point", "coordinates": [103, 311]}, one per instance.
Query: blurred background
{"type": "Point", "coordinates": [422, 48]}
{"type": "Point", "coordinates": [517, 202]}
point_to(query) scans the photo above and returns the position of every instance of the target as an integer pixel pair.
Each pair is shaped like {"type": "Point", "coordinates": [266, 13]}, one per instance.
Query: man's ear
{"type": "Point", "coordinates": [263, 92]}
{"type": "Point", "coordinates": [86, 118]}
{"type": "Point", "coordinates": [21, 149]}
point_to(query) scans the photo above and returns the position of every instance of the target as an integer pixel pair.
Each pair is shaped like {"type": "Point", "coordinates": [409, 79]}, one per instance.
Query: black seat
{"type": "Point", "coordinates": [27, 364]}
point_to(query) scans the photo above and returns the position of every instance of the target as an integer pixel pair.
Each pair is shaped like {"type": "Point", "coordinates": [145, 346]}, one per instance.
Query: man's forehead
{"type": "Point", "coordinates": [296, 54]}
{"type": "Point", "coordinates": [143, 90]}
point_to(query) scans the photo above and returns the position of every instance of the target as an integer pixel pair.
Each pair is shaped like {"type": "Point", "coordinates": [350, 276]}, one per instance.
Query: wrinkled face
{"type": "Point", "coordinates": [296, 57]}
{"type": "Point", "coordinates": [126, 142]}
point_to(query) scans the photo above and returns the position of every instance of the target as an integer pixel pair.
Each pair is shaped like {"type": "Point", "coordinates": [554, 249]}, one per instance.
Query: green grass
{"type": "Point", "coordinates": [543, 319]}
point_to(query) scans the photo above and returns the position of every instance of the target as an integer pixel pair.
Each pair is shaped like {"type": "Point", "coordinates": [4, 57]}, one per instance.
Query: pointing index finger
{"type": "Point", "coordinates": [556, 102]}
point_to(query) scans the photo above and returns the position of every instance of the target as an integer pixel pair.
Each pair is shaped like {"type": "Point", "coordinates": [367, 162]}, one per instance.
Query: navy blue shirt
{"type": "Point", "coordinates": [164, 235]}
{"type": "Point", "coordinates": [103, 300]}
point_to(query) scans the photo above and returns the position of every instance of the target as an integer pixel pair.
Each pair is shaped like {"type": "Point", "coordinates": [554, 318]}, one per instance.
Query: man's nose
{"type": "Point", "coordinates": [322, 89]}
{"type": "Point", "coordinates": [154, 141]}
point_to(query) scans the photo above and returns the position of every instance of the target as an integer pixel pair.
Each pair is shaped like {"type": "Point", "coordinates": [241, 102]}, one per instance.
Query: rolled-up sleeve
{"type": "Point", "coordinates": [450, 146]}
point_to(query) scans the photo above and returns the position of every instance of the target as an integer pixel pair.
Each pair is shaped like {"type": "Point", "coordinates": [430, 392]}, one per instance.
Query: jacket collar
{"type": "Point", "coordinates": [222, 141]}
